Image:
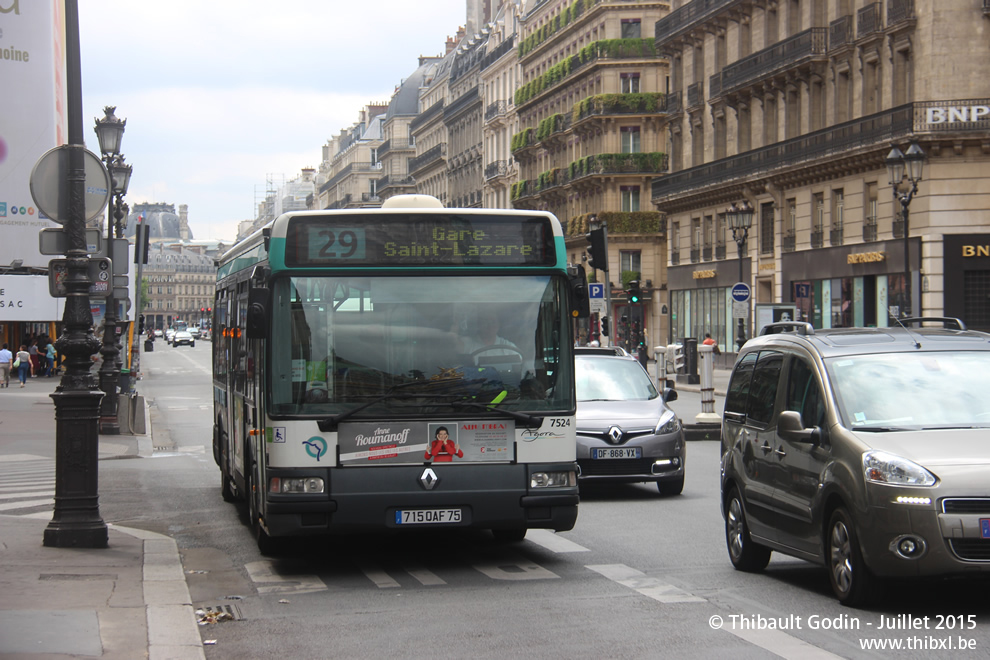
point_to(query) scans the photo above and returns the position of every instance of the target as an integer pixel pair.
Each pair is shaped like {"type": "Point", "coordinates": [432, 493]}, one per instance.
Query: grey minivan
{"type": "Point", "coordinates": [866, 450]}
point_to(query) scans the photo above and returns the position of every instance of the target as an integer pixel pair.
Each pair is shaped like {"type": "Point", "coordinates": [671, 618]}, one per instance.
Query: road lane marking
{"type": "Point", "coordinates": [782, 644]}
{"type": "Point", "coordinates": [26, 504]}
{"type": "Point", "coordinates": [426, 577]}
{"type": "Point", "coordinates": [381, 579]}
{"type": "Point", "coordinates": [554, 542]}
{"type": "Point", "coordinates": [648, 586]}
{"type": "Point", "coordinates": [272, 582]}
{"type": "Point", "coordinates": [514, 567]}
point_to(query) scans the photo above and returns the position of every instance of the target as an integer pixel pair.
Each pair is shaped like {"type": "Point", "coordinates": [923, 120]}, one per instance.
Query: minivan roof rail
{"type": "Point", "coordinates": [800, 327]}
{"type": "Point", "coordinates": [946, 321]}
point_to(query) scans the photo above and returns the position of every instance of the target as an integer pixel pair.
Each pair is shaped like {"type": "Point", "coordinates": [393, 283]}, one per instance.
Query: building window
{"type": "Point", "coordinates": [817, 219]}
{"type": "Point", "coordinates": [630, 139]}
{"type": "Point", "coordinates": [695, 240]}
{"type": "Point", "coordinates": [720, 225]}
{"type": "Point", "coordinates": [709, 238]}
{"type": "Point", "coordinates": [675, 243]}
{"type": "Point", "coordinates": [630, 260]}
{"type": "Point", "coordinates": [838, 202]}
{"type": "Point", "coordinates": [766, 228]}
{"type": "Point", "coordinates": [630, 83]}
{"type": "Point", "coordinates": [789, 240]}
{"type": "Point", "coordinates": [631, 28]}
{"type": "Point", "coordinates": [630, 197]}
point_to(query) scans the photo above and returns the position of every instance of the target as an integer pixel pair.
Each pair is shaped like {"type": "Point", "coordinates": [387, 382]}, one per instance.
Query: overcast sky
{"type": "Point", "coordinates": [222, 95]}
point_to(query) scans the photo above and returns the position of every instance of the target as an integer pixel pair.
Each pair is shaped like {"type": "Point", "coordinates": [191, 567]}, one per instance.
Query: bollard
{"type": "Point", "coordinates": [138, 419]}
{"type": "Point", "coordinates": [660, 353]}
{"type": "Point", "coordinates": [706, 360]}
{"type": "Point", "coordinates": [124, 404]}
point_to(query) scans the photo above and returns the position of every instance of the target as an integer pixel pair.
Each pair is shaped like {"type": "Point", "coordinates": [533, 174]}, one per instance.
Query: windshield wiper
{"type": "Point", "coordinates": [529, 421]}
{"type": "Point", "coordinates": [331, 423]}
{"type": "Point", "coordinates": [882, 429]}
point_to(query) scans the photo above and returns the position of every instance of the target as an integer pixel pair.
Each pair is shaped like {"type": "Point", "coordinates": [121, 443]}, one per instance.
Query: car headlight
{"type": "Point", "coordinates": [882, 468]}
{"type": "Point", "coordinates": [552, 479]}
{"type": "Point", "coordinates": [296, 485]}
{"type": "Point", "coordinates": [669, 423]}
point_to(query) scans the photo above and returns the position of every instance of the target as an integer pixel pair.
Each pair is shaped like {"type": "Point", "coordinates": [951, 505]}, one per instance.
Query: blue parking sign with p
{"type": "Point", "coordinates": [596, 290]}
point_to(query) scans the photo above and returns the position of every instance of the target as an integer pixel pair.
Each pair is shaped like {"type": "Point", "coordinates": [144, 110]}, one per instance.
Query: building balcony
{"type": "Point", "coordinates": [835, 235]}
{"type": "Point", "coordinates": [898, 228]}
{"type": "Point", "coordinates": [606, 105]}
{"type": "Point", "coordinates": [674, 105]}
{"type": "Point", "coordinates": [788, 242]}
{"type": "Point", "coordinates": [695, 255]}
{"type": "Point", "coordinates": [428, 157]}
{"type": "Point", "coordinates": [787, 55]}
{"type": "Point", "coordinates": [370, 198]}
{"type": "Point", "coordinates": [395, 182]}
{"type": "Point", "coordinates": [424, 117]}
{"type": "Point", "coordinates": [695, 95]}
{"type": "Point", "coordinates": [341, 203]}
{"type": "Point", "coordinates": [870, 230]}
{"type": "Point", "coordinates": [500, 50]}
{"type": "Point", "coordinates": [396, 144]}
{"type": "Point", "coordinates": [610, 164]}
{"type": "Point", "coordinates": [876, 130]}
{"type": "Point", "coordinates": [900, 11]}
{"type": "Point", "coordinates": [706, 253]}
{"type": "Point", "coordinates": [868, 21]}
{"type": "Point", "coordinates": [461, 104]}
{"type": "Point", "coordinates": [840, 32]}
{"type": "Point", "coordinates": [496, 169]}
{"type": "Point", "coordinates": [817, 238]}
{"type": "Point", "coordinates": [496, 110]}
{"type": "Point", "coordinates": [675, 257]}
{"type": "Point", "coordinates": [686, 18]}
{"type": "Point", "coordinates": [720, 250]}
{"type": "Point", "coordinates": [348, 170]}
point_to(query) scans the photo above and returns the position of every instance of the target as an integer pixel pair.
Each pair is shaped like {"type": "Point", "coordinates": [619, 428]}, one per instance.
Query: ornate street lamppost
{"type": "Point", "coordinates": [899, 166]}
{"type": "Point", "coordinates": [76, 520]}
{"type": "Point", "coordinates": [740, 220]}
{"type": "Point", "coordinates": [110, 132]}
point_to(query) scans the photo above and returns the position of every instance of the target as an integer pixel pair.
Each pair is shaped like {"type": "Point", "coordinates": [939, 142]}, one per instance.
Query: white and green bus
{"type": "Point", "coordinates": [402, 367]}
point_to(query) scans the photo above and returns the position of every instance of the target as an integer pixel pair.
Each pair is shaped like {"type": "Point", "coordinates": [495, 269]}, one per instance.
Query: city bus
{"type": "Point", "coordinates": [398, 368]}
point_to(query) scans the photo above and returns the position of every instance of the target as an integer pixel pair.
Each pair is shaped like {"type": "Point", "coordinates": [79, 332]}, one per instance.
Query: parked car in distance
{"type": "Point", "coordinates": [159, 333]}
{"type": "Point", "coordinates": [182, 338]}
{"type": "Point", "coordinates": [194, 331]}
{"type": "Point", "coordinates": [605, 350]}
{"type": "Point", "coordinates": [625, 431]}
{"type": "Point", "coordinates": [864, 450]}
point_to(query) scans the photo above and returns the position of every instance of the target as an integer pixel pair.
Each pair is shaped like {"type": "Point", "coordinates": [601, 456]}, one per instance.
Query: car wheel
{"type": "Point", "coordinates": [745, 554]}
{"type": "Point", "coordinates": [509, 535]}
{"type": "Point", "coordinates": [192, 344]}
{"type": "Point", "coordinates": [671, 486]}
{"type": "Point", "coordinates": [852, 582]}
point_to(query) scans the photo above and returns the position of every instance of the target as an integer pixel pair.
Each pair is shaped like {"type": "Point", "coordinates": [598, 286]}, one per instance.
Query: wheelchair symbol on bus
{"type": "Point", "coordinates": [316, 447]}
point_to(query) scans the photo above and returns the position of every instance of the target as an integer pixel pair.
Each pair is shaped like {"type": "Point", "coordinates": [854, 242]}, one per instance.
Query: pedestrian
{"type": "Point", "coordinates": [35, 357]}
{"type": "Point", "coordinates": [711, 342]}
{"type": "Point", "coordinates": [50, 358]}
{"type": "Point", "coordinates": [6, 360]}
{"type": "Point", "coordinates": [24, 365]}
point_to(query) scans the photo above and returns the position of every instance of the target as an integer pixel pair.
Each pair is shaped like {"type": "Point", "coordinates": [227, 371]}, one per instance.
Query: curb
{"type": "Point", "coordinates": [702, 432]}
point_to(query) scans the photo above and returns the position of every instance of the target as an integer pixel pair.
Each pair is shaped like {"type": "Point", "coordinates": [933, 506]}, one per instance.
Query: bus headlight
{"type": "Point", "coordinates": [552, 479]}
{"type": "Point", "coordinates": [296, 485]}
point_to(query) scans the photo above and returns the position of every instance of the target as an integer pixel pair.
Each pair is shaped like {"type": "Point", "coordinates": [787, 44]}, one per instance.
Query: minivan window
{"type": "Point", "coordinates": [738, 393]}
{"type": "Point", "coordinates": [804, 395]}
{"type": "Point", "coordinates": [763, 392]}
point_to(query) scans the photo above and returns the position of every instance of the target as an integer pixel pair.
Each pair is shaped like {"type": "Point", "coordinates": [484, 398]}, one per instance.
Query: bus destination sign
{"type": "Point", "coordinates": [420, 240]}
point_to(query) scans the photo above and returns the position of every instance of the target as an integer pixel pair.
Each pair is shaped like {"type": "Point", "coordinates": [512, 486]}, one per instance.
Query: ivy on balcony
{"type": "Point", "coordinates": [652, 162]}
{"type": "Point", "coordinates": [570, 14]}
{"type": "Point", "coordinates": [549, 126]}
{"type": "Point", "coordinates": [619, 222]}
{"type": "Point", "coordinates": [630, 103]}
{"type": "Point", "coordinates": [610, 48]}
{"type": "Point", "coordinates": [520, 189]}
{"type": "Point", "coordinates": [522, 139]}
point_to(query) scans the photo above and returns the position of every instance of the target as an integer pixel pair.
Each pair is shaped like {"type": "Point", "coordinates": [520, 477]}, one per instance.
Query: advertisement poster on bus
{"type": "Point", "coordinates": [473, 441]}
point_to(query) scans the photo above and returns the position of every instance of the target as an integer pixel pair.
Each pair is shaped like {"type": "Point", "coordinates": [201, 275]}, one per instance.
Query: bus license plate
{"type": "Point", "coordinates": [618, 452]}
{"type": "Point", "coordinates": [427, 516]}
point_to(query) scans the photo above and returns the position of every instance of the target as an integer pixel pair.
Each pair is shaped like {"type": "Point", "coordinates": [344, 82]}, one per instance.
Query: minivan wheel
{"type": "Point", "coordinates": [744, 553]}
{"type": "Point", "coordinates": [851, 580]}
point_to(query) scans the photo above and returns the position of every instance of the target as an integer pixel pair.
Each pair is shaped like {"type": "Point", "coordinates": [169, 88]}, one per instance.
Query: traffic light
{"type": "Point", "coordinates": [598, 249]}
{"type": "Point", "coordinates": [634, 293]}
{"type": "Point", "coordinates": [141, 324]}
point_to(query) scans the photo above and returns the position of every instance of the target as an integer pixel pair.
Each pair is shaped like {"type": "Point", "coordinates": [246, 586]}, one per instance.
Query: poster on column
{"type": "Point", "coordinates": [32, 67]}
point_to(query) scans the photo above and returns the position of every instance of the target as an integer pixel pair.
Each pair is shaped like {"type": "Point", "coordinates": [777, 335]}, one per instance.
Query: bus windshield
{"type": "Point", "coordinates": [401, 345]}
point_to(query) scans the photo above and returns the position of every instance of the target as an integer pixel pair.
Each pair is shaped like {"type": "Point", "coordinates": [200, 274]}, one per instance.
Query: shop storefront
{"type": "Point", "coordinates": [966, 264]}
{"type": "Point", "coordinates": [701, 301]}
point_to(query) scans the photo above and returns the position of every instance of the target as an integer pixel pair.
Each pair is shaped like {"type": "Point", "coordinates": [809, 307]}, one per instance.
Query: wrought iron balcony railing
{"type": "Point", "coordinates": [817, 238]}
{"type": "Point", "coordinates": [428, 157]}
{"type": "Point", "coordinates": [784, 55]}
{"type": "Point", "coordinates": [835, 235]}
{"type": "Point", "coordinates": [840, 32]}
{"type": "Point", "coordinates": [788, 242]}
{"type": "Point", "coordinates": [868, 20]}
{"type": "Point", "coordinates": [899, 10]}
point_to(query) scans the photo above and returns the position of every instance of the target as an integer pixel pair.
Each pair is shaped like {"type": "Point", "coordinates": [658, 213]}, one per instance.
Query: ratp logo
{"type": "Point", "coordinates": [3, 209]}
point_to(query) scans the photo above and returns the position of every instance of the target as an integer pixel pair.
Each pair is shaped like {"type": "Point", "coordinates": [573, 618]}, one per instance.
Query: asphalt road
{"type": "Point", "coordinates": [640, 576]}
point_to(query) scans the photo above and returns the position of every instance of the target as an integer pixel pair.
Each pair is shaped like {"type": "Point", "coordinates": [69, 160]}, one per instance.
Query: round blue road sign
{"type": "Point", "coordinates": [740, 292]}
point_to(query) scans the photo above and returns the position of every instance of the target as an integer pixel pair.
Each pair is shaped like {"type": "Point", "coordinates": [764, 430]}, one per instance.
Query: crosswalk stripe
{"type": "Point", "coordinates": [9, 506]}
{"type": "Point", "coordinates": [648, 586]}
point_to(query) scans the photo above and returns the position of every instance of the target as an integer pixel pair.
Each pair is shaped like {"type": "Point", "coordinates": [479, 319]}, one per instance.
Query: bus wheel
{"type": "Point", "coordinates": [509, 535]}
{"type": "Point", "coordinates": [226, 491]}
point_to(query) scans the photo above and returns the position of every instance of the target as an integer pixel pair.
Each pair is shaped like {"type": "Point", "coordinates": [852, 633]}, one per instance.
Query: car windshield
{"type": "Point", "coordinates": [419, 345]}
{"type": "Point", "coordinates": [612, 379]}
{"type": "Point", "coordinates": [890, 391]}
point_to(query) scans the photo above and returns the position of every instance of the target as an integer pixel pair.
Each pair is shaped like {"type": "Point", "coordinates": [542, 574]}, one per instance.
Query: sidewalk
{"type": "Point", "coordinates": [129, 600]}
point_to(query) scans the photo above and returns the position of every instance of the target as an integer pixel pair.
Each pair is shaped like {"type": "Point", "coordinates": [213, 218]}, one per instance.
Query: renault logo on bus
{"type": "Point", "coordinates": [428, 479]}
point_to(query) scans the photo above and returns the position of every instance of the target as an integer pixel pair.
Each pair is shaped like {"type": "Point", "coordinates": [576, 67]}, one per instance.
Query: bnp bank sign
{"type": "Point", "coordinates": [954, 115]}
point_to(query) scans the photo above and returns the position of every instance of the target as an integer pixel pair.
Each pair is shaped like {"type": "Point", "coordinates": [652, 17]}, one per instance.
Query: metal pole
{"type": "Point", "coordinates": [76, 520]}
{"type": "Point", "coordinates": [741, 330]}
{"type": "Point", "coordinates": [109, 371]}
{"type": "Point", "coordinates": [905, 202]}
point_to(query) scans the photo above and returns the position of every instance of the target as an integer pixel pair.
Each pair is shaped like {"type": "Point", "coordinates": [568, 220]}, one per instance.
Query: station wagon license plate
{"type": "Point", "coordinates": [617, 452]}
{"type": "Point", "coordinates": [427, 516]}
{"type": "Point", "coordinates": [985, 527]}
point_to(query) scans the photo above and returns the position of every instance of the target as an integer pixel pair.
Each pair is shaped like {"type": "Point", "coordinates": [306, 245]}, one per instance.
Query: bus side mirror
{"type": "Point", "coordinates": [259, 300]}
